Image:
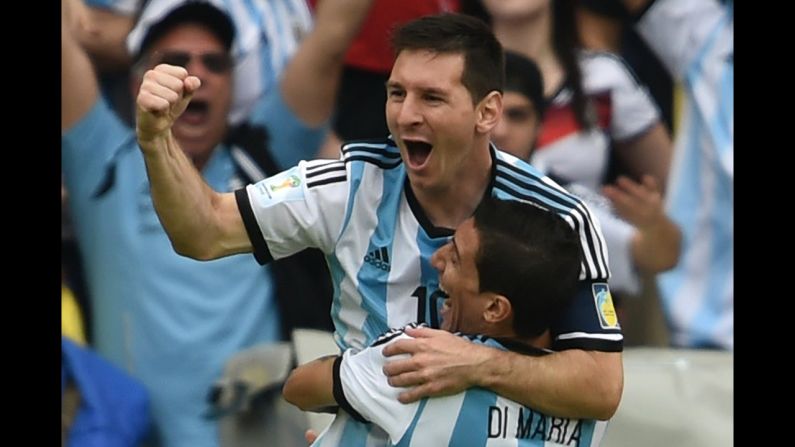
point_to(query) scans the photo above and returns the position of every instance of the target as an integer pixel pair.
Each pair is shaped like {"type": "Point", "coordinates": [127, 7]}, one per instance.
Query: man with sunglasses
{"type": "Point", "coordinates": [171, 321]}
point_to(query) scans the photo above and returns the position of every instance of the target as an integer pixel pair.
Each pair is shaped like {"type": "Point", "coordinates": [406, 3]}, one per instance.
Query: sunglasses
{"type": "Point", "coordinates": [217, 63]}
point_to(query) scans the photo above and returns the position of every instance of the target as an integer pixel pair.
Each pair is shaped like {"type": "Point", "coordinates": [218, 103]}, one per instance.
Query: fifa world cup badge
{"type": "Point", "coordinates": [604, 306]}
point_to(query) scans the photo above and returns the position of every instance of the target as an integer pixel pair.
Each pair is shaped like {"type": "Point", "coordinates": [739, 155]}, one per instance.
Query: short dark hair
{"type": "Point", "coordinates": [523, 76]}
{"type": "Point", "coordinates": [192, 11]}
{"type": "Point", "coordinates": [531, 256]}
{"type": "Point", "coordinates": [457, 33]}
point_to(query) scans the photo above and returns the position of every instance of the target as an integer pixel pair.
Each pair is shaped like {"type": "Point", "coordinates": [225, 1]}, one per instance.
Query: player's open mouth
{"type": "Point", "coordinates": [418, 152]}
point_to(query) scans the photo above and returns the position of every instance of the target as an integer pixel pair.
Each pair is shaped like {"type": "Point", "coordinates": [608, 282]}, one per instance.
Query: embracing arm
{"type": "Point", "coordinates": [310, 386]}
{"type": "Point", "coordinates": [571, 383]}
{"type": "Point", "coordinates": [200, 222]}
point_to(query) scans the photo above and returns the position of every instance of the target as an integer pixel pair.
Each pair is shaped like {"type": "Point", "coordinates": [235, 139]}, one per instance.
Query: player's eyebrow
{"type": "Point", "coordinates": [455, 248]}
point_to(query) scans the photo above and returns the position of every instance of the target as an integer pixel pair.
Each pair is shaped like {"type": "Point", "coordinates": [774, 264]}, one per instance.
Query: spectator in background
{"type": "Point", "coordinates": [170, 321]}
{"type": "Point", "coordinates": [595, 105]}
{"type": "Point", "coordinates": [643, 239]}
{"type": "Point", "coordinates": [268, 34]}
{"type": "Point", "coordinates": [695, 41]}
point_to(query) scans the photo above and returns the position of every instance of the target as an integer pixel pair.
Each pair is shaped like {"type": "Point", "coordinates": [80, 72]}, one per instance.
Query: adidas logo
{"type": "Point", "coordinates": [378, 258]}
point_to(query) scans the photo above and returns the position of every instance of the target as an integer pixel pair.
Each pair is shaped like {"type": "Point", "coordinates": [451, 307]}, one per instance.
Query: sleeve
{"type": "Point", "coordinates": [361, 389]}
{"type": "Point", "coordinates": [590, 323]}
{"type": "Point", "coordinates": [676, 30]}
{"type": "Point", "coordinates": [88, 148]}
{"type": "Point", "coordinates": [618, 237]}
{"type": "Point", "coordinates": [304, 206]}
{"type": "Point", "coordinates": [290, 139]}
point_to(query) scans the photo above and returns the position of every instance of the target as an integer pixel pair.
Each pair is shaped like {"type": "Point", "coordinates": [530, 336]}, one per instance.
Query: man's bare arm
{"type": "Point", "coordinates": [572, 383]}
{"type": "Point", "coordinates": [310, 81]}
{"type": "Point", "coordinates": [200, 222]}
{"type": "Point", "coordinates": [310, 386]}
{"type": "Point", "coordinates": [648, 153]}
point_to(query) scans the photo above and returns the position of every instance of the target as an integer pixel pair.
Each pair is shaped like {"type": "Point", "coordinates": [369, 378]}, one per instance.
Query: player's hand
{"type": "Point", "coordinates": [441, 364]}
{"type": "Point", "coordinates": [640, 204]}
{"type": "Point", "coordinates": [165, 93]}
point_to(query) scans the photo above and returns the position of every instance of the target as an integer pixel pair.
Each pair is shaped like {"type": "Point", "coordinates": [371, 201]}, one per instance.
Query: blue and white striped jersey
{"type": "Point", "coordinates": [370, 410]}
{"type": "Point", "coordinates": [267, 34]}
{"type": "Point", "coordinates": [378, 242]}
{"type": "Point", "coordinates": [695, 40]}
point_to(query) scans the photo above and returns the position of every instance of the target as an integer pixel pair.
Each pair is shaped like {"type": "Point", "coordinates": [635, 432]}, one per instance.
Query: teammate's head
{"type": "Point", "coordinates": [444, 97]}
{"type": "Point", "coordinates": [508, 271]}
{"type": "Point", "coordinates": [523, 107]}
{"type": "Point", "coordinates": [197, 36]}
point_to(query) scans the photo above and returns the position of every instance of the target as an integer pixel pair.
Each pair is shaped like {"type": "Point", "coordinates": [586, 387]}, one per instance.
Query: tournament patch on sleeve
{"type": "Point", "coordinates": [603, 301]}
{"type": "Point", "coordinates": [283, 186]}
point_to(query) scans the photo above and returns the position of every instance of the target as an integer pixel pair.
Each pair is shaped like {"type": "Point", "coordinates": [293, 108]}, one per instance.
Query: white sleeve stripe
{"type": "Point", "coordinates": [321, 172]}
{"type": "Point", "coordinates": [570, 335]}
{"type": "Point", "coordinates": [313, 165]}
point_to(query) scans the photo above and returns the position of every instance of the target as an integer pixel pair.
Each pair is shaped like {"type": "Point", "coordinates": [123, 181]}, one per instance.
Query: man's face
{"type": "Point", "coordinates": [204, 123]}
{"type": "Point", "coordinates": [458, 277]}
{"type": "Point", "coordinates": [517, 130]}
{"type": "Point", "coordinates": [431, 117]}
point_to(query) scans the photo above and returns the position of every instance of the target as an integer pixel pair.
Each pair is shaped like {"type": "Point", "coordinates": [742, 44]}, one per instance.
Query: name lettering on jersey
{"type": "Point", "coordinates": [603, 301]}
{"type": "Point", "coordinates": [378, 258]}
{"type": "Point", "coordinates": [533, 425]}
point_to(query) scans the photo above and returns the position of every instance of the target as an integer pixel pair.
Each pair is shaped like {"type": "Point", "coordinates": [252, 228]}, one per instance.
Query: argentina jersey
{"type": "Point", "coordinates": [355, 211]}
{"type": "Point", "coordinates": [476, 417]}
{"type": "Point", "coordinates": [361, 212]}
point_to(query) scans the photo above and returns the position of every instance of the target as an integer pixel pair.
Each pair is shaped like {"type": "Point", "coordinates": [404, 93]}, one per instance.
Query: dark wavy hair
{"type": "Point", "coordinates": [458, 34]}
{"type": "Point", "coordinates": [529, 255]}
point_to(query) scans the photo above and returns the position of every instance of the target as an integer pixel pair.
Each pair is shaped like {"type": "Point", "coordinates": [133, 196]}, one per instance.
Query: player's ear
{"type": "Point", "coordinates": [498, 309]}
{"type": "Point", "coordinates": [488, 112]}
